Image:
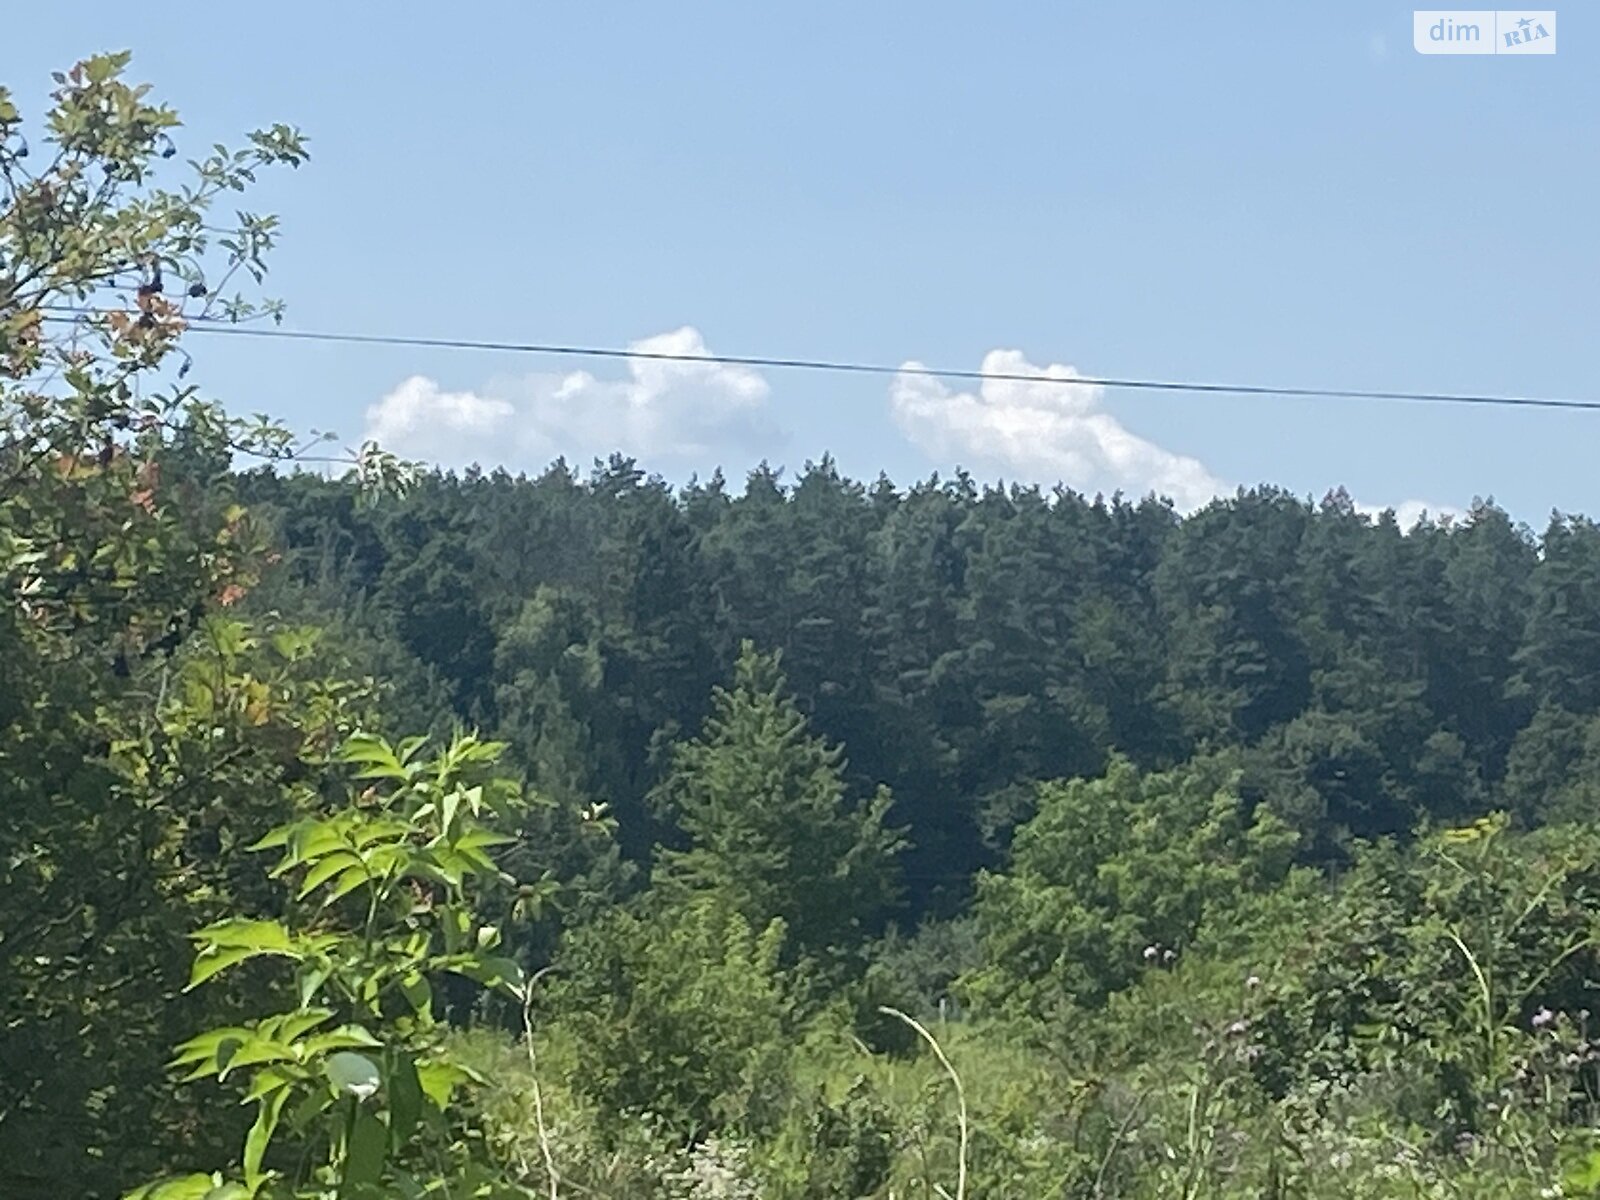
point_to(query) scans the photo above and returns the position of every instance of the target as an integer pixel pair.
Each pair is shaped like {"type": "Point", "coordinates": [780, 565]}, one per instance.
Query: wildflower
{"type": "Point", "coordinates": [1542, 1018]}
{"type": "Point", "coordinates": [1239, 1028]}
{"type": "Point", "coordinates": [1253, 982]}
{"type": "Point", "coordinates": [1150, 953]}
{"type": "Point", "coordinates": [1168, 955]}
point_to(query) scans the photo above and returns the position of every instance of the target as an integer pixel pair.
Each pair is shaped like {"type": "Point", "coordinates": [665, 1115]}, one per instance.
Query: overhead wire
{"type": "Point", "coordinates": [224, 327]}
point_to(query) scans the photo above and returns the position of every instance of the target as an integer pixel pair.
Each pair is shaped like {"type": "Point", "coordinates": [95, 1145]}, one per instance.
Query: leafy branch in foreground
{"type": "Point", "coordinates": [353, 1079]}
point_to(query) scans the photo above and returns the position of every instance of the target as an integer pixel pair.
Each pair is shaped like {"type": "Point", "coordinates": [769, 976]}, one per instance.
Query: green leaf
{"type": "Point", "coordinates": [215, 962]}
{"type": "Point", "coordinates": [206, 1045]}
{"type": "Point", "coordinates": [419, 994]}
{"type": "Point", "coordinates": [452, 868]}
{"type": "Point", "coordinates": [325, 870]}
{"type": "Point", "coordinates": [309, 842]}
{"type": "Point", "coordinates": [275, 838]}
{"type": "Point", "coordinates": [405, 1101]}
{"type": "Point", "coordinates": [269, 1080]}
{"type": "Point", "coordinates": [477, 860]}
{"type": "Point", "coordinates": [255, 1144]}
{"type": "Point", "coordinates": [311, 979]}
{"type": "Point", "coordinates": [386, 860]}
{"type": "Point", "coordinates": [1585, 1177]}
{"type": "Point", "coordinates": [377, 829]}
{"type": "Point", "coordinates": [374, 755]}
{"type": "Point", "coordinates": [346, 1037]}
{"type": "Point", "coordinates": [456, 925]}
{"type": "Point", "coordinates": [291, 1027]}
{"type": "Point", "coordinates": [366, 1151]}
{"type": "Point", "coordinates": [353, 878]}
{"type": "Point", "coordinates": [255, 1051]}
{"type": "Point", "coordinates": [492, 972]}
{"type": "Point", "coordinates": [479, 838]}
{"type": "Point", "coordinates": [261, 936]}
{"type": "Point", "coordinates": [439, 1079]}
{"type": "Point", "coordinates": [211, 962]}
{"type": "Point", "coordinates": [189, 1187]}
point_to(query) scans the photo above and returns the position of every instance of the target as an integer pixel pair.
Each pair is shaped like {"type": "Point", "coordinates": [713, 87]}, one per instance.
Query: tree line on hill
{"type": "Point", "coordinates": [433, 835]}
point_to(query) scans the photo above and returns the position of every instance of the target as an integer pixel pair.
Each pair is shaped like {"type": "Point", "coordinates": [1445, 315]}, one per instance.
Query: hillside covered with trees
{"type": "Point", "coordinates": [400, 833]}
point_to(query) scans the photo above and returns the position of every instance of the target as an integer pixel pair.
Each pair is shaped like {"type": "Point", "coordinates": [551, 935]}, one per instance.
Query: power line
{"type": "Point", "coordinates": [221, 326]}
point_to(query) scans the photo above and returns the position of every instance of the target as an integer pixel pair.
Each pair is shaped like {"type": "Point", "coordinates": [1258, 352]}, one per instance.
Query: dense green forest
{"type": "Point", "coordinates": [382, 832]}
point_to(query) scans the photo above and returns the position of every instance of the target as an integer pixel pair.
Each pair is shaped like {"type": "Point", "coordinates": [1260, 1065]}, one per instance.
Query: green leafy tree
{"type": "Point", "coordinates": [123, 748]}
{"type": "Point", "coordinates": [679, 1014]}
{"type": "Point", "coordinates": [549, 672]}
{"type": "Point", "coordinates": [771, 828]}
{"type": "Point", "coordinates": [437, 612]}
{"type": "Point", "coordinates": [1227, 585]}
{"type": "Point", "coordinates": [652, 600]}
{"type": "Point", "coordinates": [1027, 573]}
{"type": "Point", "coordinates": [118, 856]}
{"type": "Point", "coordinates": [1559, 660]}
{"type": "Point", "coordinates": [1551, 772]}
{"type": "Point", "coordinates": [1428, 967]}
{"type": "Point", "coordinates": [1489, 563]}
{"type": "Point", "coordinates": [1114, 875]}
{"type": "Point", "coordinates": [549, 675]}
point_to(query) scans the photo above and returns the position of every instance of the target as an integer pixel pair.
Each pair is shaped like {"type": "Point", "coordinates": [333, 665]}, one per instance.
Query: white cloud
{"type": "Point", "coordinates": [661, 412]}
{"type": "Point", "coordinates": [1050, 432]}
{"type": "Point", "coordinates": [1044, 431]}
{"type": "Point", "coordinates": [420, 413]}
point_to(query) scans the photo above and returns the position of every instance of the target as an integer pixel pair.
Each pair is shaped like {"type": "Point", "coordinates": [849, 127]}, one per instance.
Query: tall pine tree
{"type": "Point", "coordinates": [769, 825]}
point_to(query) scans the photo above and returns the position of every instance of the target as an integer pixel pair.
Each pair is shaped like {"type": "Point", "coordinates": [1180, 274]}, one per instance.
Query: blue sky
{"type": "Point", "coordinates": [1278, 193]}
